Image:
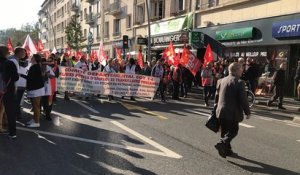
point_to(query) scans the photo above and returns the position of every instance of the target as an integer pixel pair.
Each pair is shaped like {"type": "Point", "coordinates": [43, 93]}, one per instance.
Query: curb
{"type": "Point", "coordinates": [296, 120]}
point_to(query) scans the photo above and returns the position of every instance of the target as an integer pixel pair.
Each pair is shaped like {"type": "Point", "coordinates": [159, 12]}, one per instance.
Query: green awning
{"type": "Point", "coordinates": [235, 34]}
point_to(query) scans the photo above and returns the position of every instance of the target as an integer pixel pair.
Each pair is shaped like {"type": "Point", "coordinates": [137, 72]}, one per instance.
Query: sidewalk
{"type": "Point", "coordinates": [260, 106]}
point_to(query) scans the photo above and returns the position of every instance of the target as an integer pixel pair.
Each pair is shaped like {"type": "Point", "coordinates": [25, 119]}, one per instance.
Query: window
{"type": "Point", "coordinates": [84, 33]}
{"type": "Point", "coordinates": [98, 32]}
{"type": "Point", "coordinates": [98, 7]}
{"type": "Point", "coordinates": [140, 14]}
{"type": "Point", "coordinates": [128, 21]}
{"type": "Point", "coordinates": [62, 41]}
{"type": "Point", "coordinates": [157, 9]}
{"type": "Point", "coordinates": [85, 14]}
{"type": "Point", "coordinates": [81, 16]}
{"type": "Point", "coordinates": [116, 27]}
{"type": "Point", "coordinates": [181, 5]}
{"type": "Point", "coordinates": [54, 17]}
{"type": "Point", "coordinates": [106, 30]}
{"type": "Point", "coordinates": [90, 10]}
{"type": "Point", "coordinates": [62, 12]}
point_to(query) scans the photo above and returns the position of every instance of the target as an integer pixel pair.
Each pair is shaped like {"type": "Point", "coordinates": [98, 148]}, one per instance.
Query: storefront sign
{"type": "Point", "coordinates": [286, 29]}
{"type": "Point", "coordinates": [142, 41]}
{"type": "Point", "coordinates": [116, 84]}
{"type": "Point", "coordinates": [172, 25]}
{"type": "Point", "coordinates": [196, 39]}
{"type": "Point", "coordinates": [166, 39]}
{"type": "Point", "coordinates": [241, 33]}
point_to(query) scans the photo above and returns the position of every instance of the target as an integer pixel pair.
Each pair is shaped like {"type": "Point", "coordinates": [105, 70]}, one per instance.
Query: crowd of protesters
{"type": "Point", "coordinates": [37, 77]}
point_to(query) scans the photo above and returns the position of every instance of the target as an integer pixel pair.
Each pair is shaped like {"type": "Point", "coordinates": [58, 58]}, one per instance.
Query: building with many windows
{"type": "Point", "coordinates": [264, 30]}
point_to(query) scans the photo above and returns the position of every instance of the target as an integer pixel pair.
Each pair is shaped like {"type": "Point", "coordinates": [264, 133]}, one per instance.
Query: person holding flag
{"type": "Point", "coordinates": [207, 75]}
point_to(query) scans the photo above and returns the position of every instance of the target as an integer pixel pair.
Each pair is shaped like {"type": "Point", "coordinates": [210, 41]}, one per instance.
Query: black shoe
{"type": "Point", "coordinates": [132, 98]}
{"type": "Point", "coordinates": [268, 103]}
{"type": "Point", "coordinates": [12, 137]}
{"type": "Point", "coordinates": [221, 149]}
{"type": "Point", "coordinates": [281, 107]}
{"type": "Point", "coordinates": [66, 98]}
{"type": "Point", "coordinates": [48, 118]}
{"type": "Point", "coordinates": [122, 97]}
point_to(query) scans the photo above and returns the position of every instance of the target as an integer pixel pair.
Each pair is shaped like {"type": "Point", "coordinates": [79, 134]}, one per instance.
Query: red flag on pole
{"type": "Point", "coordinates": [184, 56]}
{"type": "Point", "coordinates": [102, 57]}
{"type": "Point", "coordinates": [193, 63]}
{"type": "Point", "coordinates": [208, 57]}
{"type": "Point", "coordinates": [118, 54]}
{"type": "Point", "coordinates": [29, 46]}
{"type": "Point", "coordinates": [10, 46]}
{"type": "Point", "coordinates": [140, 60]}
{"type": "Point", "coordinates": [40, 46]}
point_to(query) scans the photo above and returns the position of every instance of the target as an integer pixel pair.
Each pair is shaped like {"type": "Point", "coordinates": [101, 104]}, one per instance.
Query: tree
{"type": "Point", "coordinates": [18, 36]}
{"type": "Point", "coordinates": [74, 34]}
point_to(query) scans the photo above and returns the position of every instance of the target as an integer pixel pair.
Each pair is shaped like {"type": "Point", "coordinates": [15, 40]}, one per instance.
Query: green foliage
{"type": "Point", "coordinates": [74, 34]}
{"type": "Point", "coordinates": [18, 36]}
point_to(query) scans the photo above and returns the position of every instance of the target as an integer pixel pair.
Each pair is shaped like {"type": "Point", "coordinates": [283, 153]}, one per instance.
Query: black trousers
{"type": "Point", "coordinates": [162, 88]}
{"type": "Point", "coordinates": [20, 93]}
{"type": "Point", "coordinates": [279, 90]}
{"type": "Point", "coordinates": [46, 106]}
{"type": "Point", "coordinates": [229, 130]}
{"type": "Point", "coordinates": [9, 101]}
{"type": "Point", "coordinates": [176, 87]}
{"type": "Point", "coordinates": [207, 93]}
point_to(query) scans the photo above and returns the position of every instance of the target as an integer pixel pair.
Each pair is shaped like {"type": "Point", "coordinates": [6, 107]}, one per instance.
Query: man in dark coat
{"type": "Point", "coordinates": [279, 80]}
{"type": "Point", "coordinates": [230, 103]}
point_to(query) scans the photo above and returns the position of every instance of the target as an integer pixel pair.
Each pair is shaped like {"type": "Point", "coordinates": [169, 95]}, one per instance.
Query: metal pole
{"type": "Point", "coordinates": [47, 13]}
{"type": "Point", "coordinates": [149, 31]}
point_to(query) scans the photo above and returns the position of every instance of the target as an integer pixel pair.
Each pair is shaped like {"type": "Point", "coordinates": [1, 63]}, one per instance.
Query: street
{"type": "Point", "coordinates": [148, 137]}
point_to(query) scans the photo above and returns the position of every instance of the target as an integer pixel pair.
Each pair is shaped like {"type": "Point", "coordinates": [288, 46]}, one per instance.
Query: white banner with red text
{"type": "Point", "coordinates": [116, 84]}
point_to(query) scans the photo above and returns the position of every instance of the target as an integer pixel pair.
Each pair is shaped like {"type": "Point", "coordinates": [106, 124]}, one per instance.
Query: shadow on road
{"type": "Point", "coordinates": [262, 167]}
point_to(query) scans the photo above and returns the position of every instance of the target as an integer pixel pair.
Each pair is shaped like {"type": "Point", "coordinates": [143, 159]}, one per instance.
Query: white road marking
{"type": "Point", "coordinates": [165, 150]}
{"type": "Point", "coordinates": [298, 140]}
{"type": "Point", "coordinates": [114, 170]}
{"type": "Point", "coordinates": [263, 118]}
{"type": "Point", "coordinates": [245, 125]}
{"type": "Point", "coordinates": [85, 106]}
{"type": "Point", "coordinates": [101, 143]}
{"type": "Point", "coordinates": [83, 155]}
{"type": "Point", "coordinates": [294, 125]}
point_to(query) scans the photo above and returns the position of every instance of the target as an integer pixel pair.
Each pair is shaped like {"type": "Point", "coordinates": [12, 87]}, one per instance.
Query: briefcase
{"type": "Point", "coordinates": [213, 122]}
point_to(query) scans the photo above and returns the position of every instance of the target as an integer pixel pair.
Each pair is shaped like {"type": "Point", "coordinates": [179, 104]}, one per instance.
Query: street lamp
{"type": "Point", "coordinates": [51, 23]}
{"type": "Point", "coordinates": [149, 31]}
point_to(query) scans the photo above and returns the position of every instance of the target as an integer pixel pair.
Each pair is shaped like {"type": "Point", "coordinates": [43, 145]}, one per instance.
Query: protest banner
{"type": "Point", "coordinates": [116, 84]}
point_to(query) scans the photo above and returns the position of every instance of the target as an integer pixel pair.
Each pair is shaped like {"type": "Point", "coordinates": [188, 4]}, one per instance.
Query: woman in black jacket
{"type": "Point", "coordinates": [35, 89]}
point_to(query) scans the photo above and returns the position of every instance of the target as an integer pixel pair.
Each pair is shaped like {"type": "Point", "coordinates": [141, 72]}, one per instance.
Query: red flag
{"type": "Point", "coordinates": [29, 46]}
{"type": "Point", "coordinates": [169, 54]}
{"type": "Point", "coordinates": [78, 55]}
{"type": "Point", "coordinates": [10, 46]}
{"type": "Point", "coordinates": [193, 63]}
{"type": "Point", "coordinates": [208, 57]}
{"type": "Point", "coordinates": [184, 56]}
{"type": "Point", "coordinates": [93, 55]}
{"type": "Point", "coordinates": [140, 60]}
{"type": "Point", "coordinates": [102, 57]}
{"type": "Point", "coordinates": [40, 46]}
{"type": "Point", "coordinates": [118, 54]}
{"type": "Point", "coordinates": [36, 46]}
{"type": "Point", "coordinates": [68, 51]}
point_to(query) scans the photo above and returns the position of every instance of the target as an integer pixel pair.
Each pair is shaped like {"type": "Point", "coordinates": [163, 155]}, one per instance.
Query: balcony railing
{"type": "Point", "coordinates": [75, 7]}
{"type": "Point", "coordinates": [218, 3]}
{"type": "Point", "coordinates": [178, 12]}
{"type": "Point", "coordinates": [91, 18]}
{"type": "Point", "coordinates": [116, 34]}
{"type": "Point", "coordinates": [114, 8]}
{"type": "Point", "coordinates": [90, 1]}
{"type": "Point", "coordinates": [155, 18]}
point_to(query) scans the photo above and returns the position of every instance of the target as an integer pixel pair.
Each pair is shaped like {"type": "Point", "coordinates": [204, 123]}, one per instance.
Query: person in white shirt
{"type": "Point", "coordinates": [109, 69]}
{"type": "Point", "coordinates": [48, 74]}
{"type": "Point", "coordinates": [84, 66]}
{"type": "Point", "coordinates": [19, 53]}
{"type": "Point", "coordinates": [131, 68]}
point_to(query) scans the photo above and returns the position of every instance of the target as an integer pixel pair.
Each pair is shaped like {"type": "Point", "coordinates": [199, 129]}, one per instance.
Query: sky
{"type": "Point", "coordinates": [14, 13]}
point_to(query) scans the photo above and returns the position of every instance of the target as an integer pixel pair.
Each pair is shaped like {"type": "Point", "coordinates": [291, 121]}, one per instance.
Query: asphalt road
{"type": "Point", "coordinates": [148, 137]}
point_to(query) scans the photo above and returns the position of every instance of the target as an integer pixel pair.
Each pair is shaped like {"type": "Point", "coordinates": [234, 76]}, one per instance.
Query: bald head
{"type": "Point", "coordinates": [235, 69]}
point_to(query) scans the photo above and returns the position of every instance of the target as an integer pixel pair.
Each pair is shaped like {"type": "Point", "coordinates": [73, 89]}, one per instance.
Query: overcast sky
{"type": "Point", "coordinates": [14, 13]}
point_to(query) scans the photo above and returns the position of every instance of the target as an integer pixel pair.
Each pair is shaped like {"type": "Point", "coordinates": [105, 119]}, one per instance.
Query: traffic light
{"type": "Point", "coordinates": [125, 41]}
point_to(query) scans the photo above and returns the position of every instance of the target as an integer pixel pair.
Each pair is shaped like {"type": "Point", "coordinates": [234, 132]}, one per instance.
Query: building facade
{"type": "Point", "coordinates": [264, 30]}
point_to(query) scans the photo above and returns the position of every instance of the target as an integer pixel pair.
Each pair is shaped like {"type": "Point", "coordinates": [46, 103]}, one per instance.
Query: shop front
{"type": "Point", "coordinates": [174, 30]}
{"type": "Point", "coordinates": [275, 39]}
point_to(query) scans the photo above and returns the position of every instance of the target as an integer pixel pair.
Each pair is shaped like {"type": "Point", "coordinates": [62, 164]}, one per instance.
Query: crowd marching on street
{"type": "Point", "coordinates": [37, 75]}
